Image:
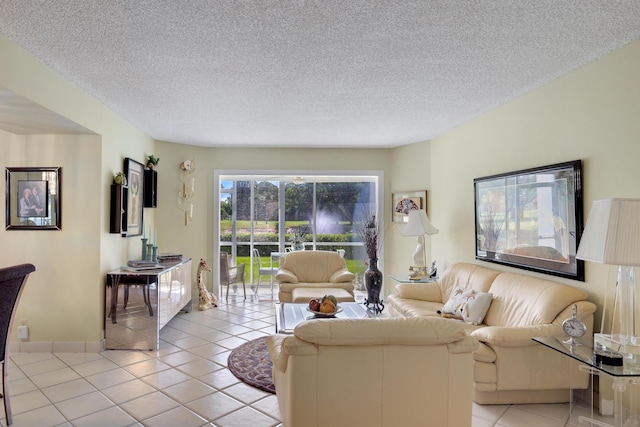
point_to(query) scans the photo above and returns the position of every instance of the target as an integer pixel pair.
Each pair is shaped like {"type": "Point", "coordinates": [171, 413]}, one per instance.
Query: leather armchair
{"type": "Point", "coordinates": [312, 269]}
{"type": "Point", "coordinates": [375, 372]}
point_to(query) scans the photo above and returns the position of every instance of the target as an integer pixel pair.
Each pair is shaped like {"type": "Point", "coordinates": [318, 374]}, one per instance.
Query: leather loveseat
{"type": "Point", "coordinates": [509, 367]}
{"type": "Point", "coordinates": [313, 269]}
{"type": "Point", "coordinates": [384, 372]}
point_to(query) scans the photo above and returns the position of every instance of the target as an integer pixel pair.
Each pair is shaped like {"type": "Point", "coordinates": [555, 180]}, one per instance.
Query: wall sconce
{"type": "Point", "coordinates": [188, 186]}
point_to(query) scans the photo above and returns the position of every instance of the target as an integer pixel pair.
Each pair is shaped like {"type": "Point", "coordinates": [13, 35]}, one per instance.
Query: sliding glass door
{"type": "Point", "coordinates": [274, 214]}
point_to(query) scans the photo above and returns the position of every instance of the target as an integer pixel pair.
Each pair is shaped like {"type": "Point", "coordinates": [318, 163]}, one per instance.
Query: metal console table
{"type": "Point", "coordinates": [133, 321]}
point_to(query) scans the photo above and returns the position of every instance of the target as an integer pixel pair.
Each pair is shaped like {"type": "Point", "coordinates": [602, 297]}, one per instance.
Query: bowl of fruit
{"type": "Point", "coordinates": [327, 306]}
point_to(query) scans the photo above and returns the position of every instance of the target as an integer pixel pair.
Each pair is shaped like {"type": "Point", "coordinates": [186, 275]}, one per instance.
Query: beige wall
{"type": "Point", "coordinates": [64, 298]}
{"type": "Point", "coordinates": [410, 166]}
{"type": "Point", "coordinates": [196, 240]}
{"type": "Point", "coordinates": [59, 301]}
{"type": "Point", "coordinates": [590, 114]}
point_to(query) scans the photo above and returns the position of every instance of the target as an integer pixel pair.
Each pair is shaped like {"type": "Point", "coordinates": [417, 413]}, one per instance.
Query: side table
{"type": "Point", "coordinates": [626, 382]}
{"type": "Point", "coordinates": [406, 279]}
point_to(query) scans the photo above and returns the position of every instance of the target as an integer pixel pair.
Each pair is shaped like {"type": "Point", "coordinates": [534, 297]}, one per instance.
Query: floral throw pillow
{"type": "Point", "coordinates": [468, 305]}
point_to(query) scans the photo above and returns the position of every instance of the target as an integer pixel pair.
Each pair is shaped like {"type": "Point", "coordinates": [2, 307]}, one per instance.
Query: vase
{"type": "Point", "coordinates": [373, 283]}
{"type": "Point", "coordinates": [297, 247]}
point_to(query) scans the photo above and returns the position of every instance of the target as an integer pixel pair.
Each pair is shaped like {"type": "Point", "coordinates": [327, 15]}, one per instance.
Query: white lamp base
{"type": "Point", "coordinates": [418, 255]}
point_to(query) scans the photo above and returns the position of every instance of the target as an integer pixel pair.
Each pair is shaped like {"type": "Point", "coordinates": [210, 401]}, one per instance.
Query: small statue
{"type": "Point", "coordinates": [433, 270]}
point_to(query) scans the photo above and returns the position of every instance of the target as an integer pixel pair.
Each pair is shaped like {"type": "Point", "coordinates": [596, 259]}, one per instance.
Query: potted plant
{"type": "Point", "coordinates": [120, 178]}
{"type": "Point", "coordinates": [152, 161]}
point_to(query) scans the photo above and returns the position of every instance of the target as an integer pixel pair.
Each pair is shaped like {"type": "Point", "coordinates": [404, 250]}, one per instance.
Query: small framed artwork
{"type": "Point", "coordinates": [134, 171]}
{"type": "Point", "coordinates": [406, 201]}
{"type": "Point", "coordinates": [33, 198]}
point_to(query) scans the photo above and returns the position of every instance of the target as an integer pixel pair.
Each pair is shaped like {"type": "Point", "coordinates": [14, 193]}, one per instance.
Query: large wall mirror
{"type": "Point", "coordinates": [532, 219]}
{"type": "Point", "coordinates": [33, 198]}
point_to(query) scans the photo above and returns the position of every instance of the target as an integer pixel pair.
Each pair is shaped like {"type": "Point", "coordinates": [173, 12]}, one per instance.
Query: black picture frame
{"type": "Point", "coordinates": [33, 198]}
{"type": "Point", "coordinates": [532, 219]}
{"type": "Point", "coordinates": [134, 204]}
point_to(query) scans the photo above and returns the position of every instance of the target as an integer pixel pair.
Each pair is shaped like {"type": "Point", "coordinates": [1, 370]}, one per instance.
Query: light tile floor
{"type": "Point", "coordinates": [185, 383]}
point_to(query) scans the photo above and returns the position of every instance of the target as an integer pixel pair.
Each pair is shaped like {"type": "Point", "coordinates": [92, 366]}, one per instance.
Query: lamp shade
{"type": "Point", "coordinates": [418, 224]}
{"type": "Point", "coordinates": [612, 233]}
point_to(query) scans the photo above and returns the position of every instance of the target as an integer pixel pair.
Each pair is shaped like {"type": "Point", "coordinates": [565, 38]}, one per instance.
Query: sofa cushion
{"type": "Point", "coordinates": [289, 287]}
{"type": "Point", "coordinates": [407, 307]}
{"type": "Point", "coordinates": [312, 266]}
{"type": "Point", "coordinates": [467, 276]}
{"type": "Point", "coordinates": [521, 300]}
{"type": "Point", "coordinates": [468, 304]}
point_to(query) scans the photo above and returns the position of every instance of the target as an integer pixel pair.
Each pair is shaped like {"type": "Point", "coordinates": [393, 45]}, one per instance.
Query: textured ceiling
{"type": "Point", "coordinates": [302, 73]}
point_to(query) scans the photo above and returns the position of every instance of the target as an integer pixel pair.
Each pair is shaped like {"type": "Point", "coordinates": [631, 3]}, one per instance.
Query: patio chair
{"type": "Point", "coordinates": [230, 275]}
{"type": "Point", "coordinates": [269, 270]}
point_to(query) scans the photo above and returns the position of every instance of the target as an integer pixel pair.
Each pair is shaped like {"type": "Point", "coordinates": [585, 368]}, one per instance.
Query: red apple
{"type": "Point", "coordinates": [314, 305]}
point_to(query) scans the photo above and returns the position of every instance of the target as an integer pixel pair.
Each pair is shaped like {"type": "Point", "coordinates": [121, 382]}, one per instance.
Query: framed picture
{"type": "Point", "coordinates": [531, 219]}
{"type": "Point", "coordinates": [33, 198]}
{"type": "Point", "coordinates": [134, 171]}
{"type": "Point", "coordinates": [406, 201]}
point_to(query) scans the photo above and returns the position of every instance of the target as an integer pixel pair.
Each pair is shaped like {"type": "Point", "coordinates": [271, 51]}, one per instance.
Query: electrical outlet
{"type": "Point", "coordinates": [23, 332]}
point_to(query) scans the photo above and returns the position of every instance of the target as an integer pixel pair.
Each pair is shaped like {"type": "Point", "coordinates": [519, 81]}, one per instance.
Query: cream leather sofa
{"type": "Point", "coordinates": [312, 269]}
{"type": "Point", "coordinates": [508, 366]}
{"type": "Point", "coordinates": [374, 372]}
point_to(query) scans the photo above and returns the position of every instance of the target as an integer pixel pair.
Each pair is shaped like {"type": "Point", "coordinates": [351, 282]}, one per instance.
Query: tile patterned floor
{"type": "Point", "coordinates": [185, 383]}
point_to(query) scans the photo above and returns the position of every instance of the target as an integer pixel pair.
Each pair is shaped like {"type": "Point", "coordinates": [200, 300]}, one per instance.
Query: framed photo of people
{"type": "Point", "coordinates": [33, 200]}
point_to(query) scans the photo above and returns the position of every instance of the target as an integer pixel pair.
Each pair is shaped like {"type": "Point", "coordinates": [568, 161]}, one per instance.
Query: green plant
{"type": "Point", "coordinates": [153, 160]}
{"type": "Point", "coordinates": [120, 178]}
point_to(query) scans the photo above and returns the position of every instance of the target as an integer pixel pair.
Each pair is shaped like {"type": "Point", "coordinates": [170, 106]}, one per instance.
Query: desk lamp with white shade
{"type": "Point", "coordinates": [419, 225]}
{"type": "Point", "coordinates": [612, 236]}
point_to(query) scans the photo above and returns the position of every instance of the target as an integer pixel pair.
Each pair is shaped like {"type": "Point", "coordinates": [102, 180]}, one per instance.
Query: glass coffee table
{"type": "Point", "coordinates": [289, 314]}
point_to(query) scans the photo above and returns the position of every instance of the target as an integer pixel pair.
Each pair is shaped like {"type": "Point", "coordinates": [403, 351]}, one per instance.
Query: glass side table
{"type": "Point", "coordinates": [624, 381]}
{"type": "Point", "coordinates": [406, 279]}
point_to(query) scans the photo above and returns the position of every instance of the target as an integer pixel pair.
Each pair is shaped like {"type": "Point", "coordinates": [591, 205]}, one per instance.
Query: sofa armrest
{"type": "Point", "coordinates": [287, 276]}
{"type": "Point", "coordinates": [513, 336]}
{"type": "Point", "coordinates": [420, 291]}
{"type": "Point", "coordinates": [281, 346]}
{"type": "Point", "coordinates": [342, 275]}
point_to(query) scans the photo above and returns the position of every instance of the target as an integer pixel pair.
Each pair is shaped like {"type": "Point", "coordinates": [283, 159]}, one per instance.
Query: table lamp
{"type": "Point", "coordinates": [419, 225]}
{"type": "Point", "coordinates": [612, 236]}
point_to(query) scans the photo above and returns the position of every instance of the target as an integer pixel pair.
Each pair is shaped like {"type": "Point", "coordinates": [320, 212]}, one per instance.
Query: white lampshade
{"type": "Point", "coordinates": [612, 233]}
{"type": "Point", "coordinates": [418, 224]}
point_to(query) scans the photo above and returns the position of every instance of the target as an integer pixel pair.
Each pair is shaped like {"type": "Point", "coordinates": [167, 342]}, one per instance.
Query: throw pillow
{"type": "Point", "coordinates": [468, 305]}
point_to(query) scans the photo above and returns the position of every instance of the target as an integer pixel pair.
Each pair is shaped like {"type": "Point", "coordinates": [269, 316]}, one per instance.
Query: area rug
{"type": "Point", "coordinates": [250, 362]}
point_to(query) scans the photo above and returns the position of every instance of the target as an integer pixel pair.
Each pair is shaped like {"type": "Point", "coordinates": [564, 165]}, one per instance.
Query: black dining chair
{"type": "Point", "coordinates": [12, 280]}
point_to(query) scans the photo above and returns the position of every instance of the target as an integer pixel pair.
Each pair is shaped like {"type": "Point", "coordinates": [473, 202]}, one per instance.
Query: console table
{"type": "Point", "coordinates": [150, 298]}
{"type": "Point", "coordinates": [625, 382]}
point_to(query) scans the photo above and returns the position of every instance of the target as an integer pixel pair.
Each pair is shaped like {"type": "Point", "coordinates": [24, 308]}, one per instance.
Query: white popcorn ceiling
{"type": "Point", "coordinates": [304, 73]}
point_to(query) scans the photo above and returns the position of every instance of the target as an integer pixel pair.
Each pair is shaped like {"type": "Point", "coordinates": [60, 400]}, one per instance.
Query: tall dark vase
{"type": "Point", "coordinates": [373, 283]}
